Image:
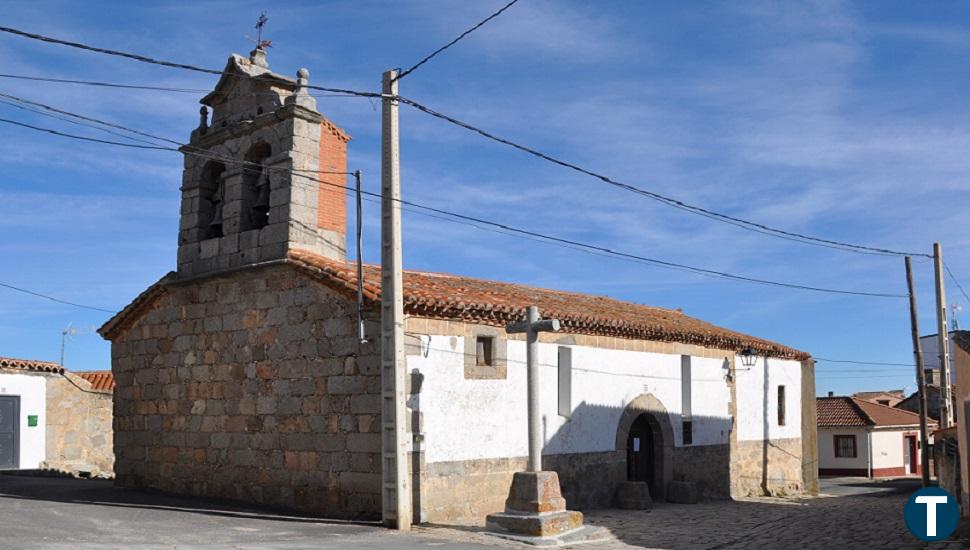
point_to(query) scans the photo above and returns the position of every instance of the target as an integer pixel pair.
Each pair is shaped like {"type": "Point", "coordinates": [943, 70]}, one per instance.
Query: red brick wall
{"type": "Point", "coordinates": [332, 201]}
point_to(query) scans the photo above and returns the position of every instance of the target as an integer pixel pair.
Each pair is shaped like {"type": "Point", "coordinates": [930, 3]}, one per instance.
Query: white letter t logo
{"type": "Point", "coordinates": [930, 503]}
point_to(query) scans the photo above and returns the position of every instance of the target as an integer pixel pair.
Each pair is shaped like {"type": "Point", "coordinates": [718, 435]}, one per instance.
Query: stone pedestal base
{"type": "Point", "coordinates": [633, 495]}
{"type": "Point", "coordinates": [535, 513]}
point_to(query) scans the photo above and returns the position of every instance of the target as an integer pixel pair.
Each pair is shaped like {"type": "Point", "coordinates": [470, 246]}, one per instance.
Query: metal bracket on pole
{"type": "Point", "coordinates": [532, 326]}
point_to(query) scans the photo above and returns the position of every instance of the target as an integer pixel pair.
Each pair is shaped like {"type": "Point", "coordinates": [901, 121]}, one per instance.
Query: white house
{"type": "Point", "coordinates": [861, 438]}
{"type": "Point", "coordinates": [54, 419]}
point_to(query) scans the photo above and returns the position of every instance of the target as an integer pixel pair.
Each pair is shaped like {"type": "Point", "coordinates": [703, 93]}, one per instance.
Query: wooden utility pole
{"type": "Point", "coordinates": [532, 326]}
{"type": "Point", "coordinates": [395, 492]}
{"type": "Point", "coordinates": [920, 376]}
{"type": "Point", "coordinates": [942, 332]}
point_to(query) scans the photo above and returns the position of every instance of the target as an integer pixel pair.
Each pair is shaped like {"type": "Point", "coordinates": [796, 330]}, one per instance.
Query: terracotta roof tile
{"type": "Point", "coordinates": [29, 364]}
{"type": "Point", "coordinates": [442, 296]}
{"type": "Point", "coordinates": [437, 295]}
{"type": "Point", "coordinates": [102, 380]}
{"type": "Point", "coordinates": [850, 411]}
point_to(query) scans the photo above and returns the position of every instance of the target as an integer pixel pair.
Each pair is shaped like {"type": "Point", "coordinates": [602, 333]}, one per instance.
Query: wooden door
{"type": "Point", "coordinates": [910, 449]}
{"type": "Point", "coordinates": [9, 432]}
{"type": "Point", "coordinates": [640, 452]}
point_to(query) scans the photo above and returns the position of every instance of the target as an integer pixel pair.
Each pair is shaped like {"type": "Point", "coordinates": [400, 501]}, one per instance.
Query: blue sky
{"type": "Point", "coordinates": [842, 120]}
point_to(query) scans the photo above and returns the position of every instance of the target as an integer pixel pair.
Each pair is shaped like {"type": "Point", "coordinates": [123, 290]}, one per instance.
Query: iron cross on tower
{"type": "Point", "coordinates": [260, 23]}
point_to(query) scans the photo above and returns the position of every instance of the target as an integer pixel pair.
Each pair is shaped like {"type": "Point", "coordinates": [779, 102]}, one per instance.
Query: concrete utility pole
{"type": "Point", "coordinates": [920, 377]}
{"type": "Point", "coordinates": [395, 493]}
{"type": "Point", "coordinates": [946, 397]}
{"type": "Point", "coordinates": [532, 326]}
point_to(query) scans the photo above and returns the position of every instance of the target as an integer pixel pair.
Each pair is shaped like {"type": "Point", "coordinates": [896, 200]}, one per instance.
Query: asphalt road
{"type": "Point", "coordinates": [59, 513]}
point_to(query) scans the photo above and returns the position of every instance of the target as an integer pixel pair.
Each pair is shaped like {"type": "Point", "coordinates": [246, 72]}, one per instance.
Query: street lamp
{"type": "Point", "coordinates": [748, 357]}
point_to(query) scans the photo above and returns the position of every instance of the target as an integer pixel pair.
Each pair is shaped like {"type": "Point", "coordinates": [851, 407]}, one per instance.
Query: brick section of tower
{"type": "Point", "coordinates": [332, 200]}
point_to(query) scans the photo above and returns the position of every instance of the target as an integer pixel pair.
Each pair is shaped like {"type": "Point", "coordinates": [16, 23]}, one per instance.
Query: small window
{"type": "Point", "coordinates": [483, 351]}
{"type": "Point", "coordinates": [565, 381]}
{"type": "Point", "coordinates": [781, 405]}
{"type": "Point", "coordinates": [883, 402]}
{"type": "Point", "coordinates": [845, 446]}
{"type": "Point", "coordinates": [688, 428]}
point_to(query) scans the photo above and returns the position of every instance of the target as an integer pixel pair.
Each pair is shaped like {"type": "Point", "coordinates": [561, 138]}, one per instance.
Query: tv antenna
{"type": "Point", "coordinates": [68, 332]}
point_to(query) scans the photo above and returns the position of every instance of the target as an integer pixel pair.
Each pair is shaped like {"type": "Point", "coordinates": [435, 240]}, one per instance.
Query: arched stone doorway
{"type": "Point", "coordinates": [644, 439]}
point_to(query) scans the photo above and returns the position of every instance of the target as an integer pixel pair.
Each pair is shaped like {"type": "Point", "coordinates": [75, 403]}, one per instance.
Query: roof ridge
{"type": "Point", "coordinates": [353, 263]}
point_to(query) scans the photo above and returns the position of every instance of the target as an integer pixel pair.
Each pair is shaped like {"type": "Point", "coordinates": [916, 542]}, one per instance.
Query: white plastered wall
{"type": "Point", "coordinates": [887, 449]}
{"type": "Point", "coordinates": [758, 401]}
{"type": "Point", "coordinates": [468, 419]}
{"type": "Point", "coordinates": [826, 449]}
{"type": "Point", "coordinates": [32, 390]}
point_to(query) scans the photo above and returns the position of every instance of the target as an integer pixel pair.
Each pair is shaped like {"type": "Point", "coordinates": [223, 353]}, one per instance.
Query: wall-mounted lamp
{"type": "Point", "coordinates": [748, 357]}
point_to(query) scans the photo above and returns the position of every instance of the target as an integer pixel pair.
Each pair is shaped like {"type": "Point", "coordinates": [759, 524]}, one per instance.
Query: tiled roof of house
{"type": "Point", "coordinates": [29, 364]}
{"type": "Point", "coordinates": [850, 411]}
{"type": "Point", "coordinates": [442, 296]}
{"type": "Point", "coordinates": [436, 295]}
{"type": "Point", "coordinates": [102, 380]}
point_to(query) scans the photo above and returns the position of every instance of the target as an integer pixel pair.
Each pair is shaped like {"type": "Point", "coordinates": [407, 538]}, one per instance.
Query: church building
{"type": "Point", "coordinates": [241, 375]}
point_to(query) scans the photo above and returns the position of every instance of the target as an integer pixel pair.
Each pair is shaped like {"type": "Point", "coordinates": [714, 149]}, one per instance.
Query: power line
{"type": "Point", "coordinates": [506, 227]}
{"type": "Point", "coordinates": [676, 203]}
{"type": "Point", "coordinates": [53, 299]}
{"type": "Point", "coordinates": [104, 84]}
{"type": "Point", "coordinates": [162, 62]}
{"type": "Point", "coordinates": [724, 218]}
{"type": "Point", "coordinates": [455, 41]}
{"type": "Point", "coordinates": [954, 279]}
{"type": "Point", "coordinates": [140, 87]}
{"type": "Point", "coordinates": [863, 362]}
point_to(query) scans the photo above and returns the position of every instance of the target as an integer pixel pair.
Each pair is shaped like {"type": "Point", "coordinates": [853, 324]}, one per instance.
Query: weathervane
{"type": "Point", "coordinates": [260, 23]}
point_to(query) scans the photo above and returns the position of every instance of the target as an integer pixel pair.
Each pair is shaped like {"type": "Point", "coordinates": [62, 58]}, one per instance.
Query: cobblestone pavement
{"type": "Point", "coordinates": [869, 516]}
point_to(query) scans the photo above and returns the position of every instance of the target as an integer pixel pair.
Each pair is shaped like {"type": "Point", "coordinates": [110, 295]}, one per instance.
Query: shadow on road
{"type": "Point", "coordinates": [104, 493]}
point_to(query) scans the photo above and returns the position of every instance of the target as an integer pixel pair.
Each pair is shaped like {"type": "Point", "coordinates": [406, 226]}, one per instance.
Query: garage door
{"type": "Point", "coordinates": [9, 432]}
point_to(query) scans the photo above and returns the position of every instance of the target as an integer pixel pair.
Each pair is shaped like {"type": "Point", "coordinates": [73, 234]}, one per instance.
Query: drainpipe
{"type": "Point", "coordinates": [869, 445]}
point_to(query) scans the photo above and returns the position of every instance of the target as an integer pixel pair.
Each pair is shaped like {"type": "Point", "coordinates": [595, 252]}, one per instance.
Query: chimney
{"type": "Point", "coordinates": [265, 176]}
{"type": "Point", "coordinates": [831, 394]}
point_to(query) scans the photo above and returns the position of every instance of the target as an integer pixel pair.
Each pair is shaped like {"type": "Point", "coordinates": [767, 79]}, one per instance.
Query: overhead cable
{"type": "Point", "coordinates": [406, 72]}
{"type": "Point", "coordinates": [53, 299]}
{"type": "Point", "coordinates": [670, 201]}
{"type": "Point", "coordinates": [512, 229]}
{"type": "Point", "coordinates": [676, 203]}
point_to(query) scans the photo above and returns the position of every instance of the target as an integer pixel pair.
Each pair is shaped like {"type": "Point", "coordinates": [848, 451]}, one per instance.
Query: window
{"type": "Point", "coordinates": [845, 446]}
{"type": "Point", "coordinates": [883, 402]}
{"type": "Point", "coordinates": [565, 381]}
{"type": "Point", "coordinates": [688, 429]}
{"type": "Point", "coordinates": [781, 405]}
{"type": "Point", "coordinates": [212, 195]}
{"type": "Point", "coordinates": [483, 351]}
{"type": "Point", "coordinates": [256, 187]}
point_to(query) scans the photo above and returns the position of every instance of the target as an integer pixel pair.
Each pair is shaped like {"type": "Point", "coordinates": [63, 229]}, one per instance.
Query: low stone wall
{"type": "Point", "coordinates": [464, 492]}
{"type": "Point", "coordinates": [79, 431]}
{"type": "Point", "coordinates": [252, 387]}
{"type": "Point", "coordinates": [773, 467]}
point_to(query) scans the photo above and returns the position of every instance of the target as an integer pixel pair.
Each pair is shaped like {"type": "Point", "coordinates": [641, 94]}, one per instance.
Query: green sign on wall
{"type": "Point", "coordinates": [32, 420]}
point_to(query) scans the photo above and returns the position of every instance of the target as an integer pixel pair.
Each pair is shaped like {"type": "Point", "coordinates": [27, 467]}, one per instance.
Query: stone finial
{"type": "Point", "coordinates": [258, 58]}
{"type": "Point", "coordinates": [300, 95]}
{"type": "Point", "coordinates": [203, 119]}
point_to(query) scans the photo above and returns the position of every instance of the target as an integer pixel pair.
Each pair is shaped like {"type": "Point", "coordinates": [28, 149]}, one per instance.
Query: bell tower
{"type": "Point", "coordinates": [265, 176]}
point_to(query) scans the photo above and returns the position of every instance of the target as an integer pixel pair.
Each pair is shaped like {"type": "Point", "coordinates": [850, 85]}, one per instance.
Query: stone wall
{"type": "Point", "coordinates": [79, 434]}
{"type": "Point", "coordinates": [464, 492]}
{"type": "Point", "coordinates": [771, 467]}
{"type": "Point", "coordinates": [251, 386]}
